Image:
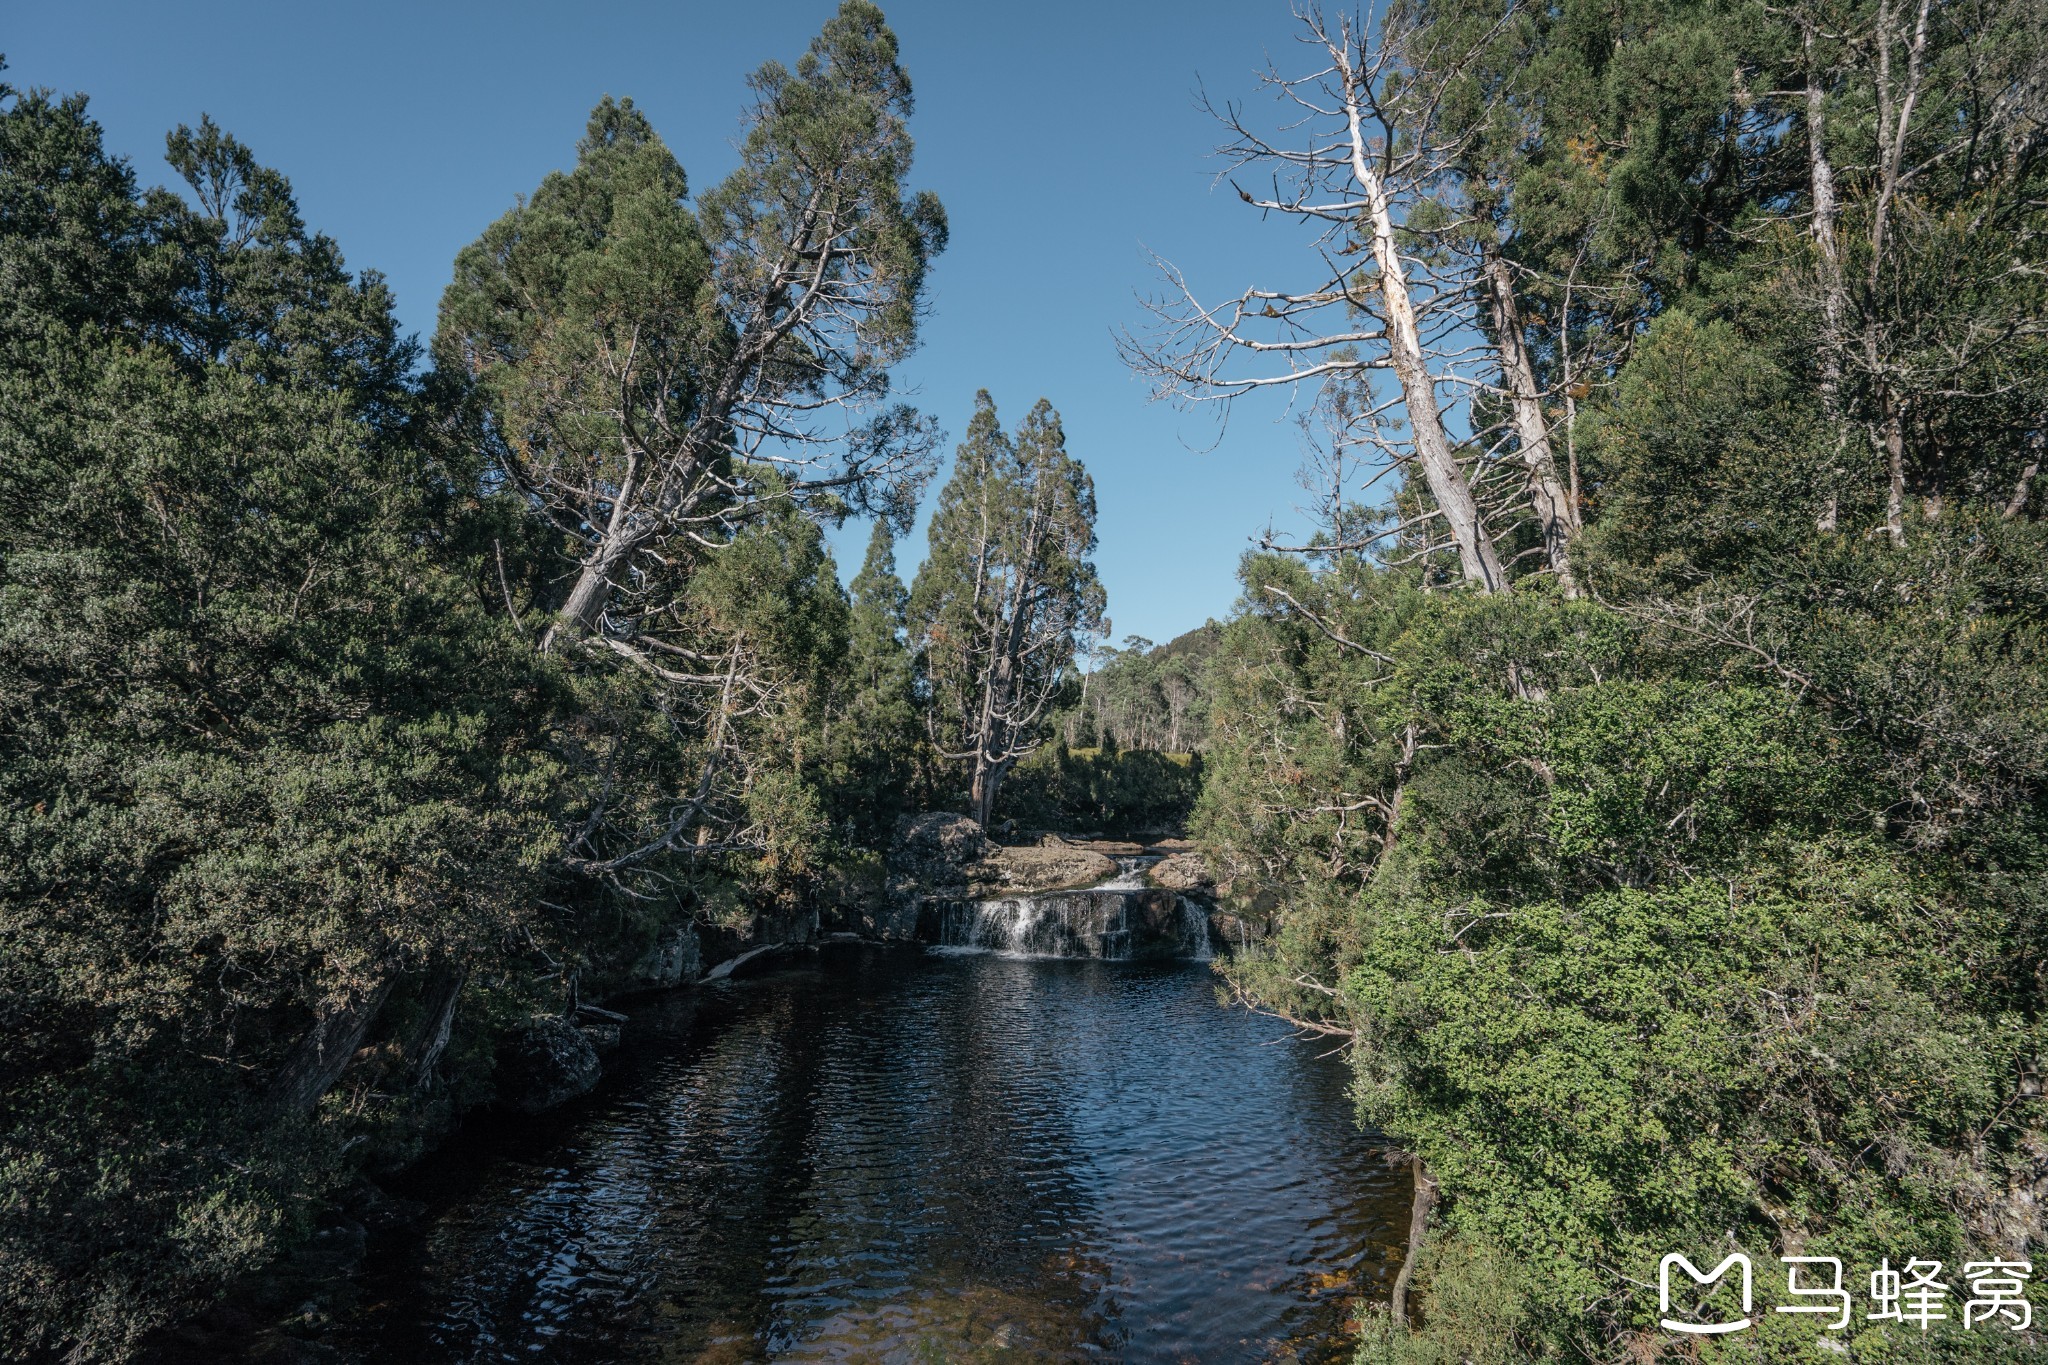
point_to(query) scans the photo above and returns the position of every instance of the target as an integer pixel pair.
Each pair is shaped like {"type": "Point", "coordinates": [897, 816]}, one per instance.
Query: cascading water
{"type": "Point", "coordinates": [1194, 931]}
{"type": "Point", "coordinates": [1120, 919]}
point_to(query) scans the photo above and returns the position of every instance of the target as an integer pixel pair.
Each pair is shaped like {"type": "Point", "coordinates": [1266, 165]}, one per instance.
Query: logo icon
{"type": "Point", "coordinates": [1699, 1277]}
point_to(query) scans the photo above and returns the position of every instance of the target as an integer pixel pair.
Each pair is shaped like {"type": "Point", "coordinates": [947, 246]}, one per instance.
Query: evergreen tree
{"type": "Point", "coordinates": [875, 733]}
{"type": "Point", "coordinates": [632, 359]}
{"type": "Point", "coordinates": [268, 771]}
{"type": "Point", "coordinates": [1007, 591]}
{"type": "Point", "coordinates": [633, 355]}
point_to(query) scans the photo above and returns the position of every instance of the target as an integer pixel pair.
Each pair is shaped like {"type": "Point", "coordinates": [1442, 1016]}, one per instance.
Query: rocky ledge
{"type": "Point", "coordinates": [949, 856]}
{"type": "Point", "coordinates": [1050, 866]}
{"type": "Point", "coordinates": [1185, 873]}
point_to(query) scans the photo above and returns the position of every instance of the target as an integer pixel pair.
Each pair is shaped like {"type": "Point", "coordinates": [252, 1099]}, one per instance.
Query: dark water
{"type": "Point", "coordinates": [892, 1155]}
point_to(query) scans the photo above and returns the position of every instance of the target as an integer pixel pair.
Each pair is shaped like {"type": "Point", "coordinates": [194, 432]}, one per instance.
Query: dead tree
{"type": "Point", "coordinates": [1348, 173]}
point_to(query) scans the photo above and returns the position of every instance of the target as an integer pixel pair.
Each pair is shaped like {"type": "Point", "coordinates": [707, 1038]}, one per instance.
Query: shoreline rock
{"type": "Point", "coordinates": [545, 1063]}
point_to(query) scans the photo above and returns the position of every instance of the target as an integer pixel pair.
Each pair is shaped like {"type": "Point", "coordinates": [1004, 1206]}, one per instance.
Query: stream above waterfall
{"type": "Point", "coordinates": [883, 1154]}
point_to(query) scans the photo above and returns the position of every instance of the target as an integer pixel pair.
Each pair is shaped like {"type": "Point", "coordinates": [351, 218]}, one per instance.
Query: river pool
{"type": "Point", "coordinates": [917, 1155]}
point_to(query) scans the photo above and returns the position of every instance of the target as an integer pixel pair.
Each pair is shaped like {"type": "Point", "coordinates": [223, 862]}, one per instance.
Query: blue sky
{"type": "Point", "coordinates": [1062, 137]}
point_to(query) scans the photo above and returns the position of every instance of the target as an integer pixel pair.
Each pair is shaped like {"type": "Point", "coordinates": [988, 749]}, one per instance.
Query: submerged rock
{"type": "Point", "coordinates": [546, 1063]}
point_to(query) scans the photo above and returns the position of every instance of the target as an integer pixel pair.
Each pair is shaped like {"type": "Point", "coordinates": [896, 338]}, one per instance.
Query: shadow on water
{"type": "Point", "coordinates": [886, 1155]}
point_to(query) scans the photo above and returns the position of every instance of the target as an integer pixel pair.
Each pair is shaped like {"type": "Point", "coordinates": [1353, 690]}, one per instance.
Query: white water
{"type": "Point", "coordinates": [1113, 920]}
{"type": "Point", "coordinates": [1130, 875]}
{"type": "Point", "coordinates": [1194, 931]}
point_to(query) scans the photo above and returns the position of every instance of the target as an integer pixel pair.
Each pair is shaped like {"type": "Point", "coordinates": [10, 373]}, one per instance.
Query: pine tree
{"type": "Point", "coordinates": [997, 609]}
{"type": "Point", "coordinates": [875, 734]}
{"type": "Point", "coordinates": [263, 780]}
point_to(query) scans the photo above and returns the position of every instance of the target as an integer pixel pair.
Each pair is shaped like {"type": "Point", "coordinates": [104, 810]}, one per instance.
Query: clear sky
{"type": "Point", "coordinates": [1062, 137]}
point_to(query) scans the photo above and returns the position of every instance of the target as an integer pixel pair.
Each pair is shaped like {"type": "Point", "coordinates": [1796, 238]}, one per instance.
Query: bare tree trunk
{"type": "Point", "coordinates": [438, 1024]}
{"type": "Point", "coordinates": [1419, 1211]}
{"type": "Point", "coordinates": [2018, 502]}
{"type": "Point", "coordinates": [1556, 513]}
{"type": "Point", "coordinates": [1895, 120]}
{"type": "Point", "coordinates": [580, 614]}
{"type": "Point", "coordinates": [1834, 294]}
{"type": "Point", "coordinates": [988, 779]}
{"type": "Point", "coordinates": [1892, 441]}
{"type": "Point", "coordinates": [981, 792]}
{"type": "Point", "coordinates": [322, 1055]}
{"type": "Point", "coordinates": [1447, 485]}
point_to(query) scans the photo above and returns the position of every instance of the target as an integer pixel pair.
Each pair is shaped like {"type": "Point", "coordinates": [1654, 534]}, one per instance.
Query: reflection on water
{"type": "Point", "coordinates": [886, 1155]}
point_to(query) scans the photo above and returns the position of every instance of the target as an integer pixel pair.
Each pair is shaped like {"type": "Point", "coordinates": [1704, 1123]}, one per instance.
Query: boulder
{"type": "Point", "coordinates": [937, 844]}
{"type": "Point", "coordinates": [1185, 873]}
{"type": "Point", "coordinates": [929, 856]}
{"type": "Point", "coordinates": [1051, 866]}
{"type": "Point", "coordinates": [676, 958]}
{"type": "Point", "coordinates": [545, 1063]}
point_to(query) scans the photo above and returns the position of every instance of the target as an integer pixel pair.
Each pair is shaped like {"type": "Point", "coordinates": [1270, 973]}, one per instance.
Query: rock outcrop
{"type": "Point", "coordinates": [1050, 866]}
{"type": "Point", "coordinates": [545, 1063]}
{"type": "Point", "coordinates": [1185, 873]}
{"type": "Point", "coordinates": [675, 959]}
{"type": "Point", "coordinates": [929, 856]}
{"type": "Point", "coordinates": [948, 857]}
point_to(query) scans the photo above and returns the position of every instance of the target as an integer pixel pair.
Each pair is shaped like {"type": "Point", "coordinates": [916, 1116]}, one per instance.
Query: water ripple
{"type": "Point", "coordinates": [883, 1156]}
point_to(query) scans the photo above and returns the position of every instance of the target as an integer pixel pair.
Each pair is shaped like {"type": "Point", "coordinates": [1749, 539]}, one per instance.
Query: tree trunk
{"type": "Point", "coordinates": [1418, 1228]}
{"type": "Point", "coordinates": [1891, 441]}
{"type": "Point", "coordinates": [321, 1056]}
{"type": "Point", "coordinates": [982, 794]}
{"type": "Point", "coordinates": [2018, 502]}
{"type": "Point", "coordinates": [581, 613]}
{"type": "Point", "coordinates": [438, 1023]}
{"type": "Point", "coordinates": [1447, 485]}
{"type": "Point", "coordinates": [1834, 294]}
{"type": "Point", "coordinates": [1556, 513]}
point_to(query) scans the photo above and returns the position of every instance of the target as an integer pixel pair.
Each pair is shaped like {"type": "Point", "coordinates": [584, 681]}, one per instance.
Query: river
{"type": "Point", "coordinates": [916, 1155]}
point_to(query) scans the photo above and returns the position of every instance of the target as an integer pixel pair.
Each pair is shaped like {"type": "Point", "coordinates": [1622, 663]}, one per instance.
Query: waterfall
{"type": "Point", "coordinates": [1194, 928]}
{"type": "Point", "coordinates": [1121, 920]}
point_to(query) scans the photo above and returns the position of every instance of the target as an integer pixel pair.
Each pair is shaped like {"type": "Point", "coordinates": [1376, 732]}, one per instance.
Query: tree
{"type": "Point", "coordinates": [1351, 176]}
{"type": "Point", "coordinates": [656, 380]}
{"type": "Point", "coordinates": [1922, 129]}
{"type": "Point", "coordinates": [270, 771]}
{"type": "Point", "coordinates": [996, 610]}
{"type": "Point", "coordinates": [874, 731]}
{"type": "Point", "coordinates": [644, 367]}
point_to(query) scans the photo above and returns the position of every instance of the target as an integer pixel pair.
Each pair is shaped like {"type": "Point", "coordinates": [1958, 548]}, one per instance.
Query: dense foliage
{"type": "Point", "coordinates": [1118, 793]}
{"type": "Point", "coordinates": [317, 776]}
{"type": "Point", "coordinates": [1693, 901]}
{"type": "Point", "coordinates": [1145, 696]}
{"type": "Point", "coordinates": [269, 756]}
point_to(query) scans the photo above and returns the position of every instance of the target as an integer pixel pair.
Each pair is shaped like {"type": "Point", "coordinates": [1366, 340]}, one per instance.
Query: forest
{"type": "Point", "coordinates": [1642, 765]}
